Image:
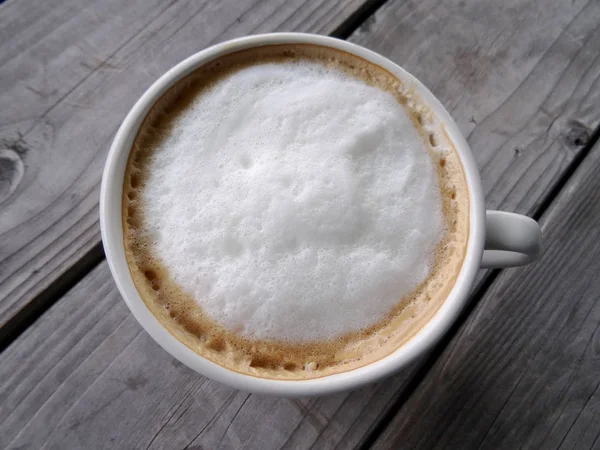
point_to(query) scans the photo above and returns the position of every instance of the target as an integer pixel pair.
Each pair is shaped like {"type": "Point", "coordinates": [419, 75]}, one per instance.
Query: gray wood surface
{"type": "Point", "coordinates": [524, 370]}
{"type": "Point", "coordinates": [87, 376]}
{"type": "Point", "coordinates": [69, 72]}
{"type": "Point", "coordinates": [521, 79]}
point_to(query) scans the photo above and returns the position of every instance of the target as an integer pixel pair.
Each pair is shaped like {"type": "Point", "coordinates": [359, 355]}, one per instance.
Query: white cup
{"type": "Point", "coordinates": [508, 239]}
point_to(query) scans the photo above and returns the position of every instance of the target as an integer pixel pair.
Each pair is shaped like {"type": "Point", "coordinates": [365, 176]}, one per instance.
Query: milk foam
{"type": "Point", "coordinates": [304, 209]}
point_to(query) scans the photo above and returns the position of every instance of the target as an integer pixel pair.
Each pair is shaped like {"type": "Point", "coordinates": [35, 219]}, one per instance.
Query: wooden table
{"type": "Point", "coordinates": [520, 369]}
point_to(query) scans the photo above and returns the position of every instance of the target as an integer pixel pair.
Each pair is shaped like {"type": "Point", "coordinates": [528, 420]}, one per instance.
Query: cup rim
{"type": "Point", "coordinates": [112, 233]}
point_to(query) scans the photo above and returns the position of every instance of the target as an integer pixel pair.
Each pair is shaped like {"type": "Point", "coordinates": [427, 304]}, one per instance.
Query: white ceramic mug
{"type": "Point", "coordinates": [508, 239]}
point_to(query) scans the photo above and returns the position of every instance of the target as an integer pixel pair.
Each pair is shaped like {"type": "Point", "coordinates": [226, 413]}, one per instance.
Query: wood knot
{"type": "Point", "coordinates": [578, 135]}
{"type": "Point", "coordinates": [12, 167]}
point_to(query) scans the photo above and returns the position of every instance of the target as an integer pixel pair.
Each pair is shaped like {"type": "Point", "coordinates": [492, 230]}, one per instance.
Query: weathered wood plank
{"type": "Point", "coordinates": [69, 71]}
{"type": "Point", "coordinates": [523, 370]}
{"type": "Point", "coordinates": [552, 90]}
{"type": "Point", "coordinates": [520, 79]}
{"type": "Point", "coordinates": [530, 131]}
{"type": "Point", "coordinates": [86, 374]}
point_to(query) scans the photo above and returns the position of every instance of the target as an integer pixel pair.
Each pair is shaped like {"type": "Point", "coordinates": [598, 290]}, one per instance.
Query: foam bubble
{"type": "Point", "coordinates": [293, 202]}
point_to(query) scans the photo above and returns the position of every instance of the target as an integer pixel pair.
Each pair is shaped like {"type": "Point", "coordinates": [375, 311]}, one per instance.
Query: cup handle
{"type": "Point", "coordinates": [511, 240]}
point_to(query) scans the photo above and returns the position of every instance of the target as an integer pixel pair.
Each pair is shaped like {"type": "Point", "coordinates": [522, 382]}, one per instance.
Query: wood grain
{"type": "Point", "coordinates": [524, 133]}
{"type": "Point", "coordinates": [69, 71]}
{"type": "Point", "coordinates": [533, 107]}
{"type": "Point", "coordinates": [521, 79]}
{"type": "Point", "coordinates": [523, 371]}
{"type": "Point", "coordinates": [86, 375]}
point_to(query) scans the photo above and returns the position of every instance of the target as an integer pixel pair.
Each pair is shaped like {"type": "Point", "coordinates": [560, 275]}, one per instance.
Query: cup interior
{"type": "Point", "coordinates": [112, 232]}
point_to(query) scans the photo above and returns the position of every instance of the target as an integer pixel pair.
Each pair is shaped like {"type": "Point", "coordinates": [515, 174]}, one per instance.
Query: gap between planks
{"type": "Point", "coordinates": [562, 100]}
{"type": "Point", "coordinates": [21, 321]}
{"type": "Point", "coordinates": [475, 297]}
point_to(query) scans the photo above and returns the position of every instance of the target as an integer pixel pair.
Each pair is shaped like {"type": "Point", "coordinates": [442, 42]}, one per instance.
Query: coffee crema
{"type": "Point", "coordinates": [293, 211]}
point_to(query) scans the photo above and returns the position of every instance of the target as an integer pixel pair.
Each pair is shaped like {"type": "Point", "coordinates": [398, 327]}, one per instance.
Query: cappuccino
{"type": "Point", "coordinates": [293, 211]}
